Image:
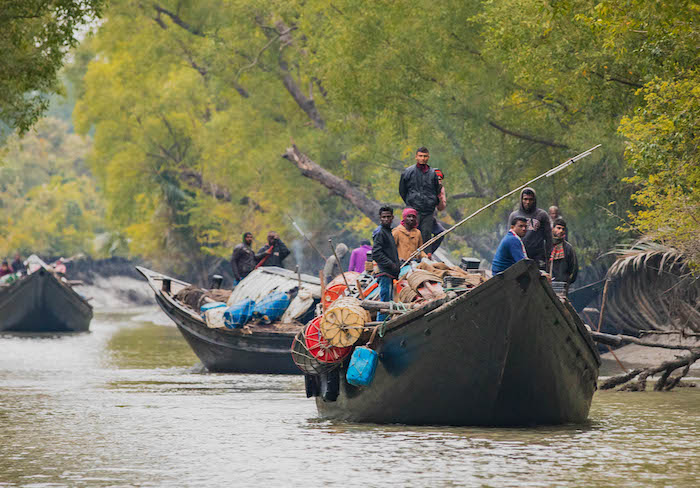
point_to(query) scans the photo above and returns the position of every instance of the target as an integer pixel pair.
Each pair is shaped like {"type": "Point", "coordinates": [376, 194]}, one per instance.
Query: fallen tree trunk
{"type": "Point", "coordinates": [636, 379]}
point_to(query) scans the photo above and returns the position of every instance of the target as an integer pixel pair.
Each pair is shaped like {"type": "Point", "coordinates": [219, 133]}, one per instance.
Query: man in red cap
{"type": "Point", "coordinates": [407, 236]}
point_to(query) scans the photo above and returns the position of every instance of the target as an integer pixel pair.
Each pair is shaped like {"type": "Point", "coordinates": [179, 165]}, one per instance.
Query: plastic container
{"type": "Point", "coordinates": [363, 365]}
{"type": "Point", "coordinates": [237, 315]}
{"type": "Point", "coordinates": [210, 306]}
{"type": "Point", "coordinates": [272, 307]}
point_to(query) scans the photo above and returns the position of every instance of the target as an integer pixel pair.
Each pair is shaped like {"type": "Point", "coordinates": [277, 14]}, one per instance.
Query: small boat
{"type": "Point", "coordinates": [253, 349]}
{"type": "Point", "coordinates": [41, 302]}
{"type": "Point", "coordinates": [509, 352]}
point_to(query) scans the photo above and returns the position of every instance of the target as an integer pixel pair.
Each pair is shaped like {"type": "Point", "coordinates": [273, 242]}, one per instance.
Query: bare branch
{"type": "Point", "coordinates": [527, 137]}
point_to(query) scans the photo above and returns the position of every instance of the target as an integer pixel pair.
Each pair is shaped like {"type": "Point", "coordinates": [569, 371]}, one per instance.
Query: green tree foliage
{"type": "Point", "coordinates": [663, 149]}
{"type": "Point", "coordinates": [34, 39]}
{"type": "Point", "coordinates": [193, 103]}
{"type": "Point", "coordinates": [48, 200]}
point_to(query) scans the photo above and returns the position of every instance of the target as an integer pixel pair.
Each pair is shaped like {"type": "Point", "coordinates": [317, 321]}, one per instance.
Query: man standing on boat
{"type": "Point", "coordinates": [386, 256]}
{"type": "Point", "coordinates": [243, 258]}
{"type": "Point", "coordinates": [358, 257]}
{"type": "Point", "coordinates": [273, 253]}
{"type": "Point", "coordinates": [333, 268]}
{"type": "Point", "coordinates": [407, 236]}
{"type": "Point", "coordinates": [511, 249]}
{"type": "Point", "coordinates": [538, 239]}
{"type": "Point", "coordinates": [419, 188]}
{"type": "Point", "coordinates": [562, 262]}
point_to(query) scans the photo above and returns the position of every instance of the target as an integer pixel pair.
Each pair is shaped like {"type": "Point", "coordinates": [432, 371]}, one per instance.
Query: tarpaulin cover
{"type": "Point", "coordinates": [272, 307]}
{"type": "Point", "coordinates": [238, 315]}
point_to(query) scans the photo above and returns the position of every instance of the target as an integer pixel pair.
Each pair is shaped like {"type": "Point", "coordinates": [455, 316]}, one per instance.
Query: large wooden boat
{"type": "Point", "coordinates": [509, 352]}
{"type": "Point", "coordinates": [40, 302]}
{"type": "Point", "coordinates": [249, 350]}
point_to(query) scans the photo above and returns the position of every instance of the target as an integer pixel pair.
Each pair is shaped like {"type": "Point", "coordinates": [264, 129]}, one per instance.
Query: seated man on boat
{"type": "Point", "coordinates": [272, 253]}
{"type": "Point", "coordinates": [358, 257]}
{"type": "Point", "coordinates": [5, 269]}
{"type": "Point", "coordinates": [333, 268]}
{"type": "Point", "coordinates": [18, 265]}
{"type": "Point", "coordinates": [407, 235]}
{"type": "Point", "coordinates": [562, 262]}
{"type": "Point", "coordinates": [511, 249]}
{"type": "Point", "coordinates": [386, 256]}
{"type": "Point", "coordinates": [243, 258]}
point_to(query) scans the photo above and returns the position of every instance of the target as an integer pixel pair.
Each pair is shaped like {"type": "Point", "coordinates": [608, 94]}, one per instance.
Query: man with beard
{"type": "Point", "coordinates": [563, 262]}
{"type": "Point", "coordinates": [243, 258]}
{"type": "Point", "coordinates": [419, 188]}
{"type": "Point", "coordinates": [538, 239]}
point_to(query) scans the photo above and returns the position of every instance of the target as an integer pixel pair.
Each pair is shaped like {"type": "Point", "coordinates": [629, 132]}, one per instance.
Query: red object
{"type": "Point", "coordinates": [319, 347]}
{"type": "Point", "coordinates": [333, 293]}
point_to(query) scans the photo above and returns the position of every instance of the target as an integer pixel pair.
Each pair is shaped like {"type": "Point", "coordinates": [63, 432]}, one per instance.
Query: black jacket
{"type": "Point", "coordinates": [538, 240]}
{"type": "Point", "coordinates": [384, 252]}
{"type": "Point", "coordinates": [419, 190]}
{"type": "Point", "coordinates": [566, 269]}
{"type": "Point", "coordinates": [242, 261]}
{"type": "Point", "coordinates": [279, 252]}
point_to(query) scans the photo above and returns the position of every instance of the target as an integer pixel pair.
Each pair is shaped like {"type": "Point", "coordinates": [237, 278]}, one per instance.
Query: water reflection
{"type": "Point", "coordinates": [120, 406]}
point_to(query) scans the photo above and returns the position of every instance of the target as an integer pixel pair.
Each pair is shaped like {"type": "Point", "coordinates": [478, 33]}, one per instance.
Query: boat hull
{"type": "Point", "coordinates": [232, 351]}
{"type": "Point", "coordinates": [507, 353]}
{"type": "Point", "coordinates": [40, 303]}
{"type": "Point", "coordinates": [223, 350]}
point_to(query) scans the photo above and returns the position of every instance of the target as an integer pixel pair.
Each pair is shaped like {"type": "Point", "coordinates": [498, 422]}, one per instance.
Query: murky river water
{"type": "Point", "coordinates": [122, 406]}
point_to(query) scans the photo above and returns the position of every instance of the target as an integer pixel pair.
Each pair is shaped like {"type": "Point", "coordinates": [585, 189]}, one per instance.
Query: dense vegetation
{"type": "Point", "coordinates": [192, 105]}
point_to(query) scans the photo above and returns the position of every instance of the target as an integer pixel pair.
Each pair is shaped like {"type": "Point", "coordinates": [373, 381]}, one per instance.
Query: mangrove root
{"type": "Point", "coordinates": [666, 382]}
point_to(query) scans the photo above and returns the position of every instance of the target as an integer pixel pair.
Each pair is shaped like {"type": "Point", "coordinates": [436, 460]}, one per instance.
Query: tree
{"type": "Point", "coordinates": [36, 35]}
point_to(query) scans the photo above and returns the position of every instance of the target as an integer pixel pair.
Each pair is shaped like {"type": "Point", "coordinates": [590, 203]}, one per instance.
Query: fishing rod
{"type": "Point", "coordinates": [304, 236]}
{"type": "Point", "coordinates": [547, 174]}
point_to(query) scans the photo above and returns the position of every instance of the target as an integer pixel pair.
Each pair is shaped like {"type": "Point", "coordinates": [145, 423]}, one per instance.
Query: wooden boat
{"type": "Point", "coordinates": [40, 302]}
{"type": "Point", "coordinates": [250, 350]}
{"type": "Point", "coordinates": [509, 352]}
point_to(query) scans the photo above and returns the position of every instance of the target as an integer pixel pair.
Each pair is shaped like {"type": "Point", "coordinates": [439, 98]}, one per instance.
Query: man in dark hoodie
{"type": "Point", "coordinates": [538, 239]}
{"type": "Point", "coordinates": [419, 188]}
{"type": "Point", "coordinates": [385, 254]}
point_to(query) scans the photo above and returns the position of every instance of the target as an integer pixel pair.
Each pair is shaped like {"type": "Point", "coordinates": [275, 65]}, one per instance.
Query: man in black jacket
{"type": "Point", "coordinates": [538, 239]}
{"type": "Point", "coordinates": [419, 188]}
{"type": "Point", "coordinates": [385, 254]}
{"type": "Point", "coordinates": [243, 258]}
{"type": "Point", "coordinates": [273, 253]}
{"type": "Point", "coordinates": [563, 262]}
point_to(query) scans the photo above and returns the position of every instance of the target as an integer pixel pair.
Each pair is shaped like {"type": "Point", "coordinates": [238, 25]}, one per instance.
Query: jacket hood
{"type": "Point", "coordinates": [341, 250]}
{"type": "Point", "coordinates": [534, 204]}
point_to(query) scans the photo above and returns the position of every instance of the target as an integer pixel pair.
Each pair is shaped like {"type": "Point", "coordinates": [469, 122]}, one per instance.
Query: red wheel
{"type": "Point", "coordinates": [319, 347]}
{"type": "Point", "coordinates": [333, 293]}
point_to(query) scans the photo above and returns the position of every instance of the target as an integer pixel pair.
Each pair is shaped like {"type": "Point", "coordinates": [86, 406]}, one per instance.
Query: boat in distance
{"type": "Point", "coordinates": [509, 352]}
{"type": "Point", "coordinates": [255, 349]}
{"type": "Point", "coordinates": [41, 303]}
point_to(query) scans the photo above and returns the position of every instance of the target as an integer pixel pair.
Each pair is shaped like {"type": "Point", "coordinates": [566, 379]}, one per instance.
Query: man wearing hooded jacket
{"type": "Point", "coordinates": [538, 239]}
{"type": "Point", "coordinates": [419, 188]}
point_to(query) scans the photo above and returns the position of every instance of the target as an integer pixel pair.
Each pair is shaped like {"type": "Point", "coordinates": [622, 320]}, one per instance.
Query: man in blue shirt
{"type": "Point", "coordinates": [511, 249]}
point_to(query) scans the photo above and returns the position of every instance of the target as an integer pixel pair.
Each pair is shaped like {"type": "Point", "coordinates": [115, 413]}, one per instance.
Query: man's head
{"type": "Point", "coordinates": [422, 155]}
{"type": "Point", "coordinates": [440, 174]}
{"type": "Point", "coordinates": [18, 257]}
{"type": "Point", "coordinates": [386, 216]}
{"type": "Point", "coordinates": [559, 228]}
{"type": "Point", "coordinates": [553, 212]}
{"type": "Point", "coordinates": [410, 218]}
{"type": "Point", "coordinates": [527, 199]}
{"type": "Point", "coordinates": [248, 238]}
{"type": "Point", "coordinates": [519, 226]}
{"type": "Point", "coordinates": [365, 242]}
{"type": "Point", "coordinates": [4, 265]}
{"type": "Point", "coordinates": [272, 237]}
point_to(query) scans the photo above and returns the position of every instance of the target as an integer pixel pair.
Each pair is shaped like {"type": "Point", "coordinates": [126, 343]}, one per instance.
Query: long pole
{"type": "Point", "coordinates": [551, 172]}
{"type": "Point", "coordinates": [304, 236]}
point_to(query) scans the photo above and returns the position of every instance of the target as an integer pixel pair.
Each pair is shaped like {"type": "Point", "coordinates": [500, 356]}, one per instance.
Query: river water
{"type": "Point", "coordinates": [124, 406]}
